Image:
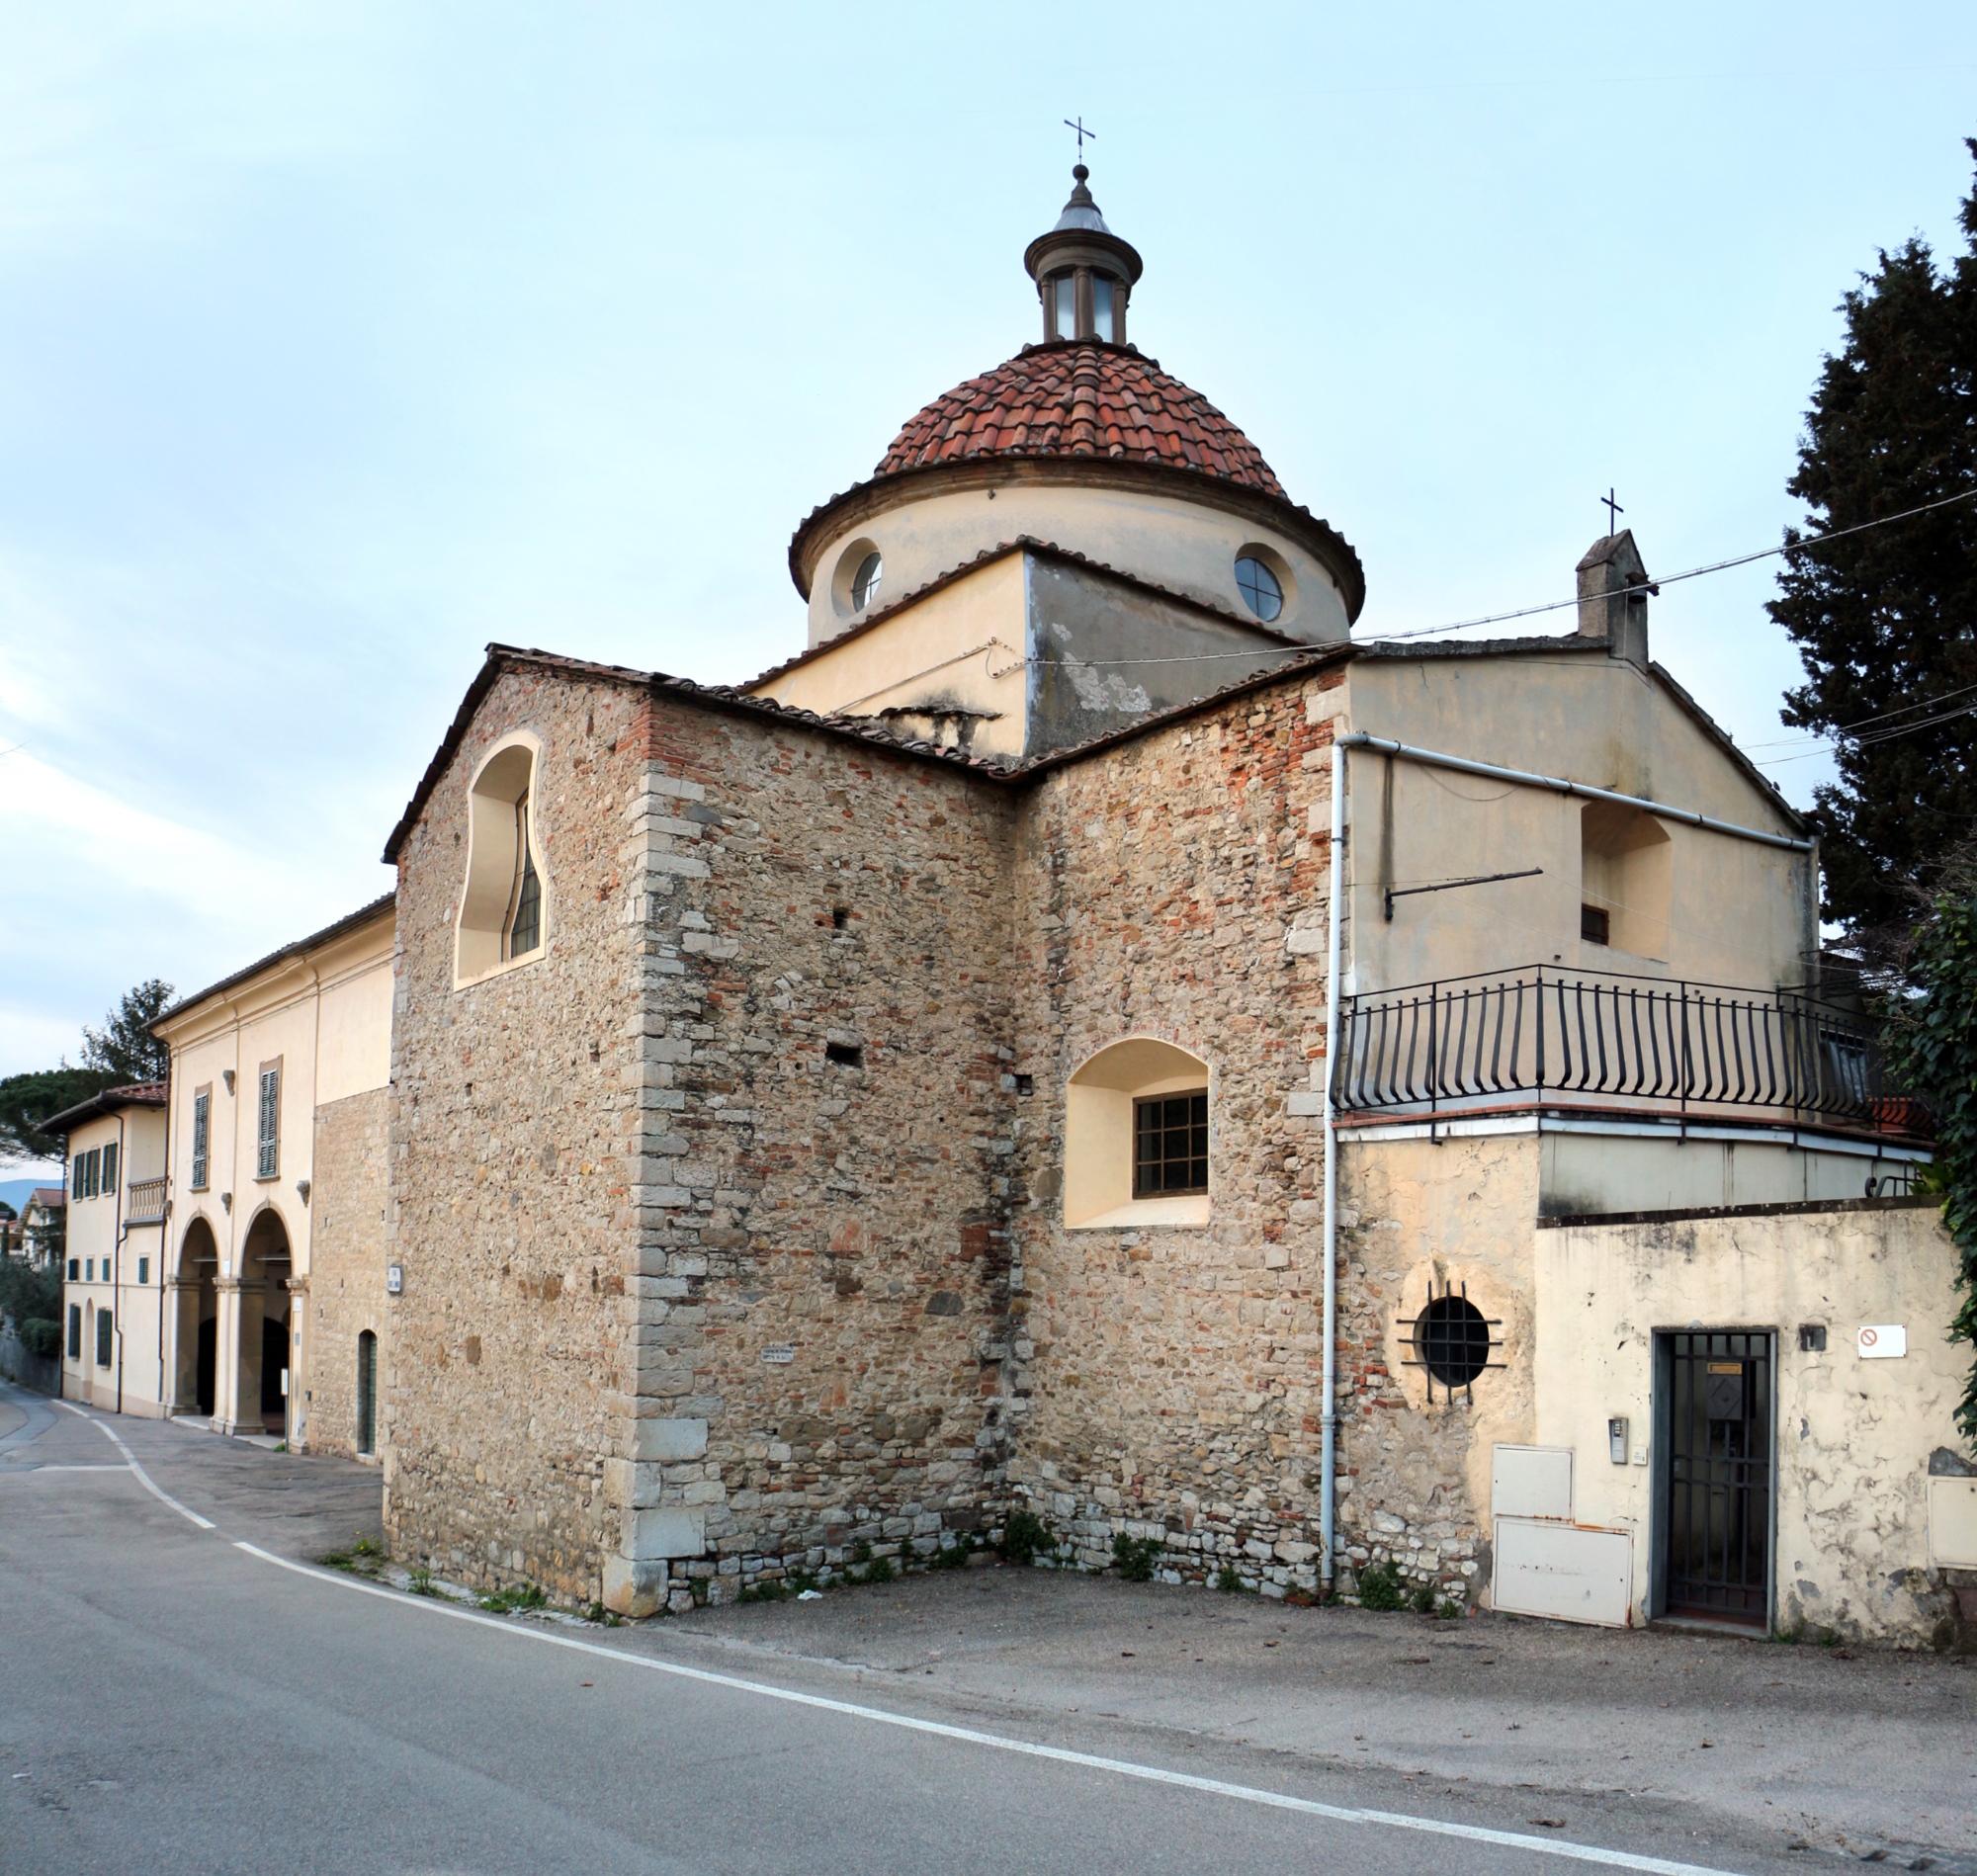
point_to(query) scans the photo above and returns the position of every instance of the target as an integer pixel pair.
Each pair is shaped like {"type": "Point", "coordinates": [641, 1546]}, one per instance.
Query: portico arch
{"type": "Point", "coordinates": [196, 1319]}
{"type": "Point", "coordinates": [262, 1351]}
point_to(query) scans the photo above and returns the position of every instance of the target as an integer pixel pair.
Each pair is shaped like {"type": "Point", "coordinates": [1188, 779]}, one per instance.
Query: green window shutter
{"type": "Point", "coordinates": [268, 1161]}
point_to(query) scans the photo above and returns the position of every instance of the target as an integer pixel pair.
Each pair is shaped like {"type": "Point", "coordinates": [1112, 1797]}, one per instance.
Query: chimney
{"type": "Point", "coordinates": [1613, 589]}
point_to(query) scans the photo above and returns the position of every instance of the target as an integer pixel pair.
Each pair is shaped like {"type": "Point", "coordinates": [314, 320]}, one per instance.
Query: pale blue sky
{"type": "Point", "coordinates": [336, 340]}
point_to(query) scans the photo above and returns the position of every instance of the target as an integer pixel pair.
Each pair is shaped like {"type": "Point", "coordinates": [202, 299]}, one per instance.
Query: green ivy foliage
{"type": "Point", "coordinates": [1933, 1048]}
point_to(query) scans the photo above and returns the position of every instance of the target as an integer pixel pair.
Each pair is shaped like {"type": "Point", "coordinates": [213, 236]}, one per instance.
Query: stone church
{"type": "Point", "coordinates": [1087, 1035]}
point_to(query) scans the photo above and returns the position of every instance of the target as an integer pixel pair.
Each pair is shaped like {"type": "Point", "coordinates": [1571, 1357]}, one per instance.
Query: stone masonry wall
{"type": "Point", "coordinates": [702, 1215]}
{"type": "Point", "coordinates": [1173, 1385]}
{"type": "Point", "coordinates": [346, 1278]}
{"type": "Point", "coordinates": [513, 1144]}
{"type": "Point", "coordinates": [732, 1240]}
{"type": "Point", "coordinates": [825, 936]}
{"type": "Point", "coordinates": [1176, 887]}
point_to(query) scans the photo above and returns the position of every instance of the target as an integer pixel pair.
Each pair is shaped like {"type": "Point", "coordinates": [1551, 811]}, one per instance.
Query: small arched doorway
{"type": "Point", "coordinates": [367, 1393]}
{"type": "Point", "coordinates": [193, 1385]}
{"type": "Point", "coordinates": [264, 1324]}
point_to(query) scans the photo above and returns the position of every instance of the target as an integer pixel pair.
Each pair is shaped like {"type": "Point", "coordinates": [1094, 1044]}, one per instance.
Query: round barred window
{"type": "Point", "coordinates": [1452, 1341]}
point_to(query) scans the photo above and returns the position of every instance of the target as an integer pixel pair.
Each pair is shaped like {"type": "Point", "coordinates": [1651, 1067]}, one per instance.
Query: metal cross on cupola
{"type": "Point", "coordinates": [1083, 272]}
{"type": "Point", "coordinates": [1077, 124]}
{"type": "Point", "coordinates": [1614, 511]}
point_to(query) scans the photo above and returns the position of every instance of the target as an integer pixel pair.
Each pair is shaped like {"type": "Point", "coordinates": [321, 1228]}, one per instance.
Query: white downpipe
{"type": "Point", "coordinates": [1434, 758]}
{"type": "Point", "coordinates": [1329, 1421]}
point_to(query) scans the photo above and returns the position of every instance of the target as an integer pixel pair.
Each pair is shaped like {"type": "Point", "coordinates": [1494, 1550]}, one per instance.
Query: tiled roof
{"type": "Point", "coordinates": [131, 1094]}
{"type": "Point", "coordinates": [1081, 398]}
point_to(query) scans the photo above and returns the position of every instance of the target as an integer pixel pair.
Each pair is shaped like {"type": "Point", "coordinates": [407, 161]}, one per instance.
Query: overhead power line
{"type": "Point", "coordinates": [1561, 605]}
{"type": "Point", "coordinates": [1714, 566]}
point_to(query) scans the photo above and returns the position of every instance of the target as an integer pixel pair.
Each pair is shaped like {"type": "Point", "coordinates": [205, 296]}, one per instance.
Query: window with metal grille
{"type": "Point", "coordinates": [1171, 1145]}
{"type": "Point", "coordinates": [1452, 1341]}
{"type": "Point", "coordinates": [202, 1105]}
{"type": "Point", "coordinates": [143, 1270]}
{"type": "Point", "coordinates": [267, 1163]}
{"type": "Point", "coordinates": [104, 1322]}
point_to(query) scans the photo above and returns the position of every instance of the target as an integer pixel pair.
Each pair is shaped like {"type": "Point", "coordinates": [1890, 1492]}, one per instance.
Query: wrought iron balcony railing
{"type": "Point", "coordinates": [1607, 1040]}
{"type": "Point", "coordinates": [147, 1201]}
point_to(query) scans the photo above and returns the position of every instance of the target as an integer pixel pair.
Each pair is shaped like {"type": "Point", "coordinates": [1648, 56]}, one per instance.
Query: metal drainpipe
{"type": "Point", "coordinates": [1329, 1464]}
{"type": "Point", "coordinates": [116, 1269]}
{"type": "Point", "coordinates": [167, 1397]}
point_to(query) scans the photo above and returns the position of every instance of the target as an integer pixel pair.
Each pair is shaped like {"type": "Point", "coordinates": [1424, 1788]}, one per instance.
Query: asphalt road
{"type": "Point", "coordinates": [175, 1701]}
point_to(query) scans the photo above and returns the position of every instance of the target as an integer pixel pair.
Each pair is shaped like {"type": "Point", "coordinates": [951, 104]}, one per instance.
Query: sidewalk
{"type": "Point", "coordinates": [1832, 1748]}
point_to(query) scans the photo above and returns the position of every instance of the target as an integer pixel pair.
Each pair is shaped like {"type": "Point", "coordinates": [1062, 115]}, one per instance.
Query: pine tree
{"type": "Point", "coordinates": [124, 1045]}
{"type": "Point", "coordinates": [1886, 621]}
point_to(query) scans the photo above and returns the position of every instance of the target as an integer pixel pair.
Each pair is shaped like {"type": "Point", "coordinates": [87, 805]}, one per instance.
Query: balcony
{"type": "Point", "coordinates": [1548, 1037]}
{"type": "Point", "coordinates": [147, 1201]}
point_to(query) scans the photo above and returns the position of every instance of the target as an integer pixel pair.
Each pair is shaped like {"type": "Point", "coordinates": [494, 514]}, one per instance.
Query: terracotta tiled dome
{"type": "Point", "coordinates": [1081, 399]}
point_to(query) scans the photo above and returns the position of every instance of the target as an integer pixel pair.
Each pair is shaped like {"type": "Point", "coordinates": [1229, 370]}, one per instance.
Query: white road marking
{"type": "Point", "coordinates": [31, 1470]}
{"type": "Point", "coordinates": [144, 1478]}
{"type": "Point", "coordinates": [1123, 1768]}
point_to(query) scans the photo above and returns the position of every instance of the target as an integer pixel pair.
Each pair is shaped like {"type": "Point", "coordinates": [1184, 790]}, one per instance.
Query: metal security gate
{"type": "Point", "coordinates": [1717, 1390]}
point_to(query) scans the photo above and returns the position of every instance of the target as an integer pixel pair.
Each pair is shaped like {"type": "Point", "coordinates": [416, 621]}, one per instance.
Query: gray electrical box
{"type": "Point", "coordinates": [1616, 1439]}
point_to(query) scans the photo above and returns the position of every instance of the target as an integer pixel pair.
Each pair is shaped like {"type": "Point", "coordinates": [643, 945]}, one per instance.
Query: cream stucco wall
{"type": "Point", "coordinates": [324, 1013]}
{"type": "Point", "coordinates": [963, 646]}
{"type": "Point", "coordinates": [1449, 1215]}
{"type": "Point", "coordinates": [1740, 913]}
{"type": "Point", "coordinates": [1187, 546]}
{"type": "Point", "coordinates": [104, 1246]}
{"type": "Point", "coordinates": [1853, 1436]}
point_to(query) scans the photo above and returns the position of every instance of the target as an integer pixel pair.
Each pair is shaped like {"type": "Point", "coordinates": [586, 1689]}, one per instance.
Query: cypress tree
{"type": "Point", "coordinates": [1886, 621]}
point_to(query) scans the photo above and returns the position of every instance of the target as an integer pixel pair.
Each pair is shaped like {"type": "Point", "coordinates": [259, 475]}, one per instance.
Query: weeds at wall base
{"type": "Point", "coordinates": [363, 1558]}
{"type": "Point", "coordinates": [510, 1601]}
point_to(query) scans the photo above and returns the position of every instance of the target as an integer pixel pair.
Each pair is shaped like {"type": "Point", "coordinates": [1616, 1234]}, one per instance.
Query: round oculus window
{"type": "Point", "coordinates": [1261, 590]}
{"type": "Point", "coordinates": [1452, 1341]}
{"type": "Point", "coordinates": [865, 582]}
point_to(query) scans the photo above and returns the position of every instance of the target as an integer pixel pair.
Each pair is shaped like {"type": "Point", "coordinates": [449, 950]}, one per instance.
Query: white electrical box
{"type": "Point", "coordinates": [1952, 1523]}
{"type": "Point", "coordinates": [1572, 1573]}
{"type": "Point", "coordinates": [1531, 1482]}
